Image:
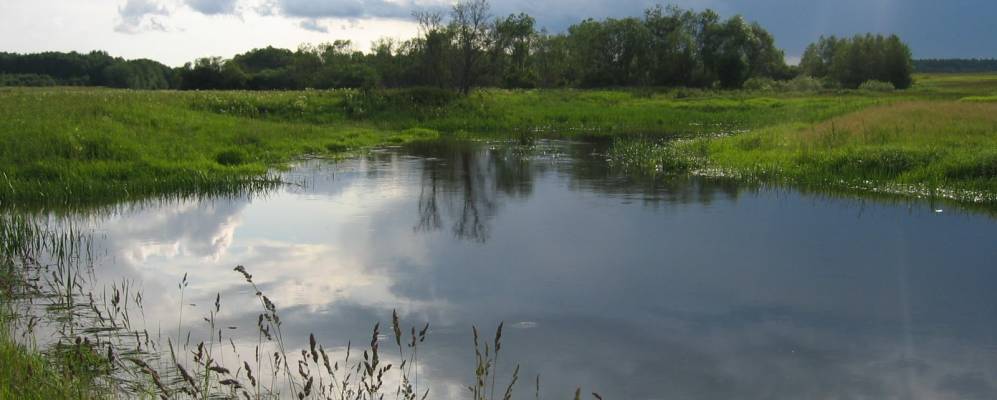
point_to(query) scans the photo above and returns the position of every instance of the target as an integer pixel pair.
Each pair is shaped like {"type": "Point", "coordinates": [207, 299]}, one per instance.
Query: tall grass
{"type": "Point", "coordinates": [64, 147]}
{"type": "Point", "coordinates": [941, 149]}
{"type": "Point", "coordinates": [70, 146]}
{"type": "Point", "coordinates": [73, 146]}
{"type": "Point", "coordinates": [99, 350]}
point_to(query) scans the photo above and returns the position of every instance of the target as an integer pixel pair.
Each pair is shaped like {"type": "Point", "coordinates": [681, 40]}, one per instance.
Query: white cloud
{"type": "Point", "coordinates": [213, 7]}
{"type": "Point", "coordinates": [347, 9]}
{"type": "Point", "coordinates": [313, 25]}
{"type": "Point", "coordinates": [140, 15]}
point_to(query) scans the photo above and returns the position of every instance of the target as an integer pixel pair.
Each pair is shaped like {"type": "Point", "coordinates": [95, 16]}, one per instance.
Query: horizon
{"type": "Point", "coordinates": [162, 30]}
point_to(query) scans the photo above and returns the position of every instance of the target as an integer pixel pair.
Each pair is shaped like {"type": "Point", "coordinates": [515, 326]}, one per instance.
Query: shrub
{"type": "Point", "coordinates": [336, 147]}
{"type": "Point", "coordinates": [419, 100]}
{"type": "Point", "coordinates": [39, 172]}
{"type": "Point", "coordinates": [231, 157]}
{"type": "Point", "coordinates": [799, 84]}
{"type": "Point", "coordinates": [884, 162]}
{"type": "Point", "coordinates": [979, 99]}
{"type": "Point", "coordinates": [877, 86]}
{"type": "Point", "coordinates": [804, 83]}
{"type": "Point", "coordinates": [26, 80]}
{"type": "Point", "coordinates": [426, 96]}
{"type": "Point", "coordinates": [760, 84]}
{"type": "Point", "coordinates": [982, 166]}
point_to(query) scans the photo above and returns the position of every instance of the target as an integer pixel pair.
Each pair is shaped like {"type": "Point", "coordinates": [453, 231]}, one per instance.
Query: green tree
{"type": "Point", "coordinates": [514, 38]}
{"type": "Point", "coordinates": [850, 62]}
{"type": "Point", "coordinates": [472, 33]}
{"type": "Point", "coordinates": [431, 52]}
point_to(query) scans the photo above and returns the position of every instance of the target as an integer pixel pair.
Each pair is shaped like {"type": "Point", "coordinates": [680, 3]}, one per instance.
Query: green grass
{"type": "Point", "coordinates": [70, 146]}
{"type": "Point", "coordinates": [931, 148]}
{"type": "Point", "coordinates": [75, 147]}
{"type": "Point", "coordinates": [67, 373]}
{"type": "Point", "coordinates": [26, 375]}
{"type": "Point", "coordinates": [66, 146]}
{"type": "Point", "coordinates": [30, 375]}
{"type": "Point", "coordinates": [79, 146]}
{"type": "Point", "coordinates": [954, 86]}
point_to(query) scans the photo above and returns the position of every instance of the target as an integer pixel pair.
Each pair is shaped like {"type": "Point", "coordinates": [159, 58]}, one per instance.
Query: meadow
{"type": "Point", "coordinates": [81, 147]}
{"type": "Point", "coordinates": [72, 146]}
{"type": "Point", "coordinates": [939, 140]}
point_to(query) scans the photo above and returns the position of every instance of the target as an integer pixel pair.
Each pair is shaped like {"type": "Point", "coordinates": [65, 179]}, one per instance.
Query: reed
{"type": "Point", "coordinates": [101, 349]}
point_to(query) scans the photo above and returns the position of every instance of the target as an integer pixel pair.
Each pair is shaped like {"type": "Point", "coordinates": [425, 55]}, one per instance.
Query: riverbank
{"type": "Point", "coordinates": [29, 375]}
{"type": "Point", "coordinates": [945, 149]}
{"type": "Point", "coordinates": [71, 147]}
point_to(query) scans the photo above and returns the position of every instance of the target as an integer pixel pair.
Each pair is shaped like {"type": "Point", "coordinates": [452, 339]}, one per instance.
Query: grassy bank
{"type": "Point", "coordinates": [29, 374]}
{"type": "Point", "coordinates": [938, 139]}
{"type": "Point", "coordinates": [32, 376]}
{"type": "Point", "coordinates": [941, 148]}
{"type": "Point", "coordinates": [85, 146]}
{"type": "Point", "coordinates": [95, 145]}
{"type": "Point", "coordinates": [63, 146]}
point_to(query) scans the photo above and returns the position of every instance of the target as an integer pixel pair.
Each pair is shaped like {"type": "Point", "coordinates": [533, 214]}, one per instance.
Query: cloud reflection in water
{"type": "Point", "coordinates": [645, 289]}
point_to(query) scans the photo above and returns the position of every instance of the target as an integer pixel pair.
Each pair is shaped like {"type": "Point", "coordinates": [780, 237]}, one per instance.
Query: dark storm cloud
{"type": "Point", "coordinates": [350, 9]}
{"type": "Point", "coordinates": [555, 15]}
{"type": "Point", "coordinates": [933, 28]}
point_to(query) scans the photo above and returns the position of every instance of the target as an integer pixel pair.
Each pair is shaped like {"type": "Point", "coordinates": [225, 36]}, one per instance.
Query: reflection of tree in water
{"type": "Point", "coordinates": [590, 172]}
{"type": "Point", "coordinates": [469, 180]}
{"type": "Point", "coordinates": [478, 199]}
{"type": "Point", "coordinates": [429, 209]}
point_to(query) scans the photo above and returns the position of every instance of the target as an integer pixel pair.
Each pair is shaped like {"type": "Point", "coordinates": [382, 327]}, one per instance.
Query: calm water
{"type": "Point", "coordinates": [649, 289]}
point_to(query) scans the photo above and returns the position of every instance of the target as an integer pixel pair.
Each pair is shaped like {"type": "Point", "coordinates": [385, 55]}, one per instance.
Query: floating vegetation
{"type": "Point", "coordinates": [940, 150]}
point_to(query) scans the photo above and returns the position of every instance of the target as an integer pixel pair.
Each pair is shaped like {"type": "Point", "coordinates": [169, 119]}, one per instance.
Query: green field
{"type": "Point", "coordinates": [74, 147]}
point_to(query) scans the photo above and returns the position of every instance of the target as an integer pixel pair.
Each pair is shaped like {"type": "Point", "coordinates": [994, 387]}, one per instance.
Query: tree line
{"type": "Point", "coordinates": [955, 65]}
{"type": "Point", "coordinates": [96, 68]}
{"type": "Point", "coordinates": [854, 61]}
{"type": "Point", "coordinates": [468, 47]}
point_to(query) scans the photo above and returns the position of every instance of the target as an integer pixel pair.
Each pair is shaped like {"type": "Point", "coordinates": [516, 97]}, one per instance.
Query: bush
{"type": "Point", "coordinates": [881, 162]}
{"type": "Point", "coordinates": [877, 86]}
{"type": "Point", "coordinates": [425, 96]}
{"type": "Point", "coordinates": [760, 84]}
{"type": "Point", "coordinates": [804, 83]}
{"type": "Point", "coordinates": [799, 84]}
{"type": "Point", "coordinates": [417, 101]}
{"type": "Point", "coordinates": [336, 147]}
{"type": "Point", "coordinates": [983, 166]}
{"type": "Point", "coordinates": [979, 99]}
{"type": "Point", "coordinates": [26, 80]}
{"type": "Point", "coordinates": [231, 157]}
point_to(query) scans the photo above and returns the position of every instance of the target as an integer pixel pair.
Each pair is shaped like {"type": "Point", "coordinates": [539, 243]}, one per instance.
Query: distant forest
{"type": "Point", "coordinates": [468, 47]}
{"type": "Point", "coordinates": [956, 65]}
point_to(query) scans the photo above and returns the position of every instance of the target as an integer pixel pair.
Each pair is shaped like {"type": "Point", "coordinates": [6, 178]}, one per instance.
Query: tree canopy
{"type": "Point", "coordinates": [850, 62]}
{"type": "Point", "coordinates": [469, 47]}
{"type": "Point", "coordinates": [956, 65]}
{"type": "Point", "coordinates": [96, 68]}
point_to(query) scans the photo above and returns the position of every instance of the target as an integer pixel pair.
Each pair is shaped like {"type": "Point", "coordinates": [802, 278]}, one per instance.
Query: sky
{"type": "Point", "coordinates": [179, 31]}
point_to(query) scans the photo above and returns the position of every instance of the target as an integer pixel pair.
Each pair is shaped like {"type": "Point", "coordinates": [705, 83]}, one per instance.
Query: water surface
{"type": "Point", "coordinates": [665, 288]}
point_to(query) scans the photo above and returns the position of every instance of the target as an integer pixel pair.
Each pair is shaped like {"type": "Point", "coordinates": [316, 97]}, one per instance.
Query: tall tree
{"type": "Point", "coordinates": [512, 44]}
{"type": "Point", "coordinates": [471, 28]}
{"type": "Point", "coordinates": [850, 62]}
{"type": "Point", "coordinates": [432, 51]}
